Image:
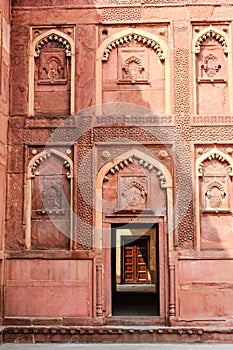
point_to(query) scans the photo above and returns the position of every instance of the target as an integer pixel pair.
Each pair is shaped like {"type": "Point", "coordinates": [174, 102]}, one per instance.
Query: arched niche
{"type": "Point", "coordinates": [132, 66]}
{"type": "Point", "coordinates": [214, 171]}
{"type": "Point", "coordinates": [212, 72]}
{"type": "Point", "coordinates": [49, 201]}
{"type": "Point", "coordinates": [150, 168]}
{"type": "Point", "coordinates": [52, 74]}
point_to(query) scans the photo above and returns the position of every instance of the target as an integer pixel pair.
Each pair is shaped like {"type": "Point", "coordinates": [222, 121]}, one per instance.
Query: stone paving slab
{"type": "Point", "coordinates": [116, 347]}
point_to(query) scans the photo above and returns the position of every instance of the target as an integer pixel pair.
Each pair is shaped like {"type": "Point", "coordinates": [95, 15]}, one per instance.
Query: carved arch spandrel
{"type": "Point", "coordinates": [35, 48]}
{"type": "Point", "coordinates": [214, 195]}
{"type": "Point", "coordinates": [167, 184]}
{"type": "Point", "coordinates": [146, 38]}
{"type": "Point", "coordinates": [32, 173]}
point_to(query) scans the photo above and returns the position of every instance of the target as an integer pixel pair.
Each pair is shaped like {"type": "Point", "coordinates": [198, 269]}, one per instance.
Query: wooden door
{"type": "Point", "coordinates": [135, 260]}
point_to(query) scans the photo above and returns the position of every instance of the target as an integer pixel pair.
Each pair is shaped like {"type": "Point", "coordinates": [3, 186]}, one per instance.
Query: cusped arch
{"type": "Point", "coordinates": [46, 154]}
{"type": "Point", "coordinates": [144, 160]}
{"type": "Point", "coordinates": [210, 32]}
{"type": "Point", "coordinates": [214, 153]}
{"type": "Point", "coordinates": [53, 35]}
{"type": "Point", "coordinates": [148, 39]}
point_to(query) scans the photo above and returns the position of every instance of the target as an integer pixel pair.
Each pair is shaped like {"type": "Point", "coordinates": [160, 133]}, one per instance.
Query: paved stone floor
{"type": "Point", "coordinates": [116, 347]}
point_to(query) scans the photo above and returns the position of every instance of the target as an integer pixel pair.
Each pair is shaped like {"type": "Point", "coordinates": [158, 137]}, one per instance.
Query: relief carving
{"type": "Point", "coordinates": [52, 67]}
{"type": "Point", "coordinates": [214, 195]}
{"type": "Point", "coordinates": [51, 194]}
{"type": "Point", "coordinates": [132, 192]}
{"type": "Point", "coordinates": [216, 186]}
{"type": "Point", "coordinates": [210, 65]}
{"type": "Point", "coordinates": [133, 71]}
{"type": "Point", "coordinates": [133, 64]}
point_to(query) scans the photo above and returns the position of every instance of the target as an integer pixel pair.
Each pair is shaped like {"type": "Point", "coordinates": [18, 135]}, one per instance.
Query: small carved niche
{"type": "Point", "coordinates": [133, 64]}
{"type": "Point", "coordinates": [215, 187]}
{"type": "Point", "coordinates": [50, 201]}
{"type": "Point", "coordinates": [52, 77]}
{"type": "Point", "coordinates": [133, 192]}
{"type": "Point", "coordinates": [52, 67]}
{"type": "Point", "coordinates": [212, 75]}
{"type": "Point", "coordinates": [211, 63]}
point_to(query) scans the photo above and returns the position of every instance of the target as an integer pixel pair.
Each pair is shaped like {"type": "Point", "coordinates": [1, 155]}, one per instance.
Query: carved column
{"type": "Point", "coordinates": [172, 299]}
{"type": "Point", "coordinates": [99, 306]}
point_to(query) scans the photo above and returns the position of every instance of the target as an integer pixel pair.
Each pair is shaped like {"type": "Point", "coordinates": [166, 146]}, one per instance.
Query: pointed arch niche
{"type": "Point", "coordinates": [214, 190]}
{"type": "Point", "coordinates": [52, 74]}
{"type": "Point", "coordinates": [49, 201]}
{"type": "Point", "coordinates": [132, 66]}
{"type": "Point", "coordinates": [212, 72]}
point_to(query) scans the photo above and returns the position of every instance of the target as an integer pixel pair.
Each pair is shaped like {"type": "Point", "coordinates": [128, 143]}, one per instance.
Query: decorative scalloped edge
{"type": "Point", "coordinates": [211, 34]}
{"type": "Point", "coordinates": [43, 157]}
{"type": "Point", "coordinates": [215, 155]}
{"type": "Point", "coordinates": [130, 37]}
{"type": "Point", "coordinates": [141, 162]}
{"type": "Point", "coordinates": [53, 37]}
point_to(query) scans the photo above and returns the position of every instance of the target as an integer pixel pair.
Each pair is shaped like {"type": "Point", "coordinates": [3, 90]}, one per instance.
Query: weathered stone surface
{"type": "Point", "coordinates": [164, 73]}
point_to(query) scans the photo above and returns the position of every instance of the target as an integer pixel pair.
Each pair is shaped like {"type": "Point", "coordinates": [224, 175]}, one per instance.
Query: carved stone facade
{"type": "Point", "coordinates": [117, 133]}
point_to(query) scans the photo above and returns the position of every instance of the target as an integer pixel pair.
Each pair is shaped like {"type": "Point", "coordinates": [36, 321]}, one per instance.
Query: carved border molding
{"type": "Point", "coordinates": [139, 38]}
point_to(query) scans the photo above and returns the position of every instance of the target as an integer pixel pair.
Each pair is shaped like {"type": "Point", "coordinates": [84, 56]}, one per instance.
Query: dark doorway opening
{"type": "Point", "coordinates": [135, 270]}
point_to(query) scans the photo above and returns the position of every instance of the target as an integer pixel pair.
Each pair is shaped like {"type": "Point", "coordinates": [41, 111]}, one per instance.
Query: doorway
{"type": "Point", "coordinates": [135, 270]}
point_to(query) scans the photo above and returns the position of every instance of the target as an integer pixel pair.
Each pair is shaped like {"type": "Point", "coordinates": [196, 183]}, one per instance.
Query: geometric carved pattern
{"type": "Point", "coordinates": [136, 38]}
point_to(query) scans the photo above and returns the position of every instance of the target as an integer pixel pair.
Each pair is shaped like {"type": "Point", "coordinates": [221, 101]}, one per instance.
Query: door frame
{"type": "Point", "coordinates": [162, 246]}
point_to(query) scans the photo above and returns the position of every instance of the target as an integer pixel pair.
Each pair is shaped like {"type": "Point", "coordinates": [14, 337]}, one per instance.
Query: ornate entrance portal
{"type": "Point", "coordinates": [135, 236]}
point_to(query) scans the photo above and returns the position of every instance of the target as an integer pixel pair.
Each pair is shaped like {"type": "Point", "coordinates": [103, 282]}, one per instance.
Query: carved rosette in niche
{"type": "Point", "coordinates": [210, 66]}
{"type": "Point", "coordinates": [133, 64]}
{"type": "Point", "coordinates": [215, 187]}
{"type": "Point", "coordinates": [133, 191]}
{"type": "Point", "coordinates": [52, 66]}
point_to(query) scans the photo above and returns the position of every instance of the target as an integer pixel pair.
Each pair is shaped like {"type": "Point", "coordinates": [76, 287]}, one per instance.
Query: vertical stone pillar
{"type": "Point", "coordinates": [172, 287]}
{"type": "Point", "coordinates": [99, 304]}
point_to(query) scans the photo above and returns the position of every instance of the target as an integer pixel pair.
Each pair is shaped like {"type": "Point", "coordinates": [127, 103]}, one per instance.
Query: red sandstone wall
{"type": "Point", "coordinates": [203, 292]}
